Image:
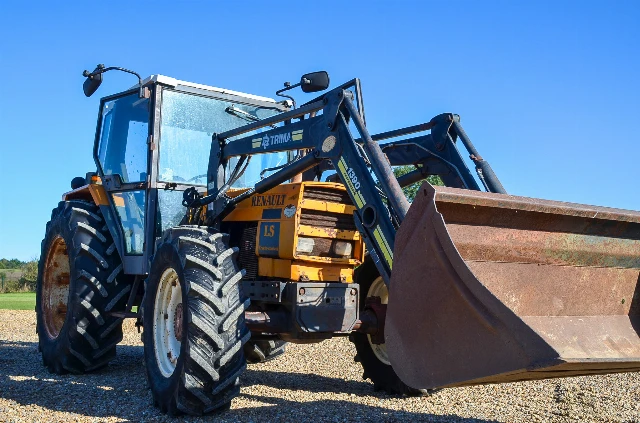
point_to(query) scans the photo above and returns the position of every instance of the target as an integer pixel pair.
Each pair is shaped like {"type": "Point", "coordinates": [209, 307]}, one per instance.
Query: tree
{"type": "Point", "coordinates": [30, 275]}
{"type": "Point", "coordinates": [411, 190]}
{"type": "Point", "coordinates": [11, 264]}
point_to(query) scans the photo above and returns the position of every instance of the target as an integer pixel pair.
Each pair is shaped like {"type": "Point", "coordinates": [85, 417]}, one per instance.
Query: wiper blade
{"type": "Point", "coordinates": [233, 110]}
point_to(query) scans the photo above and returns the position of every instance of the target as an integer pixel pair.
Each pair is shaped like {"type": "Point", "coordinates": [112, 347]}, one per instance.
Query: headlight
{"type": "Point", "coordinates": [342, 248]}
{"type": "Point", "coordinates": [305, 245]}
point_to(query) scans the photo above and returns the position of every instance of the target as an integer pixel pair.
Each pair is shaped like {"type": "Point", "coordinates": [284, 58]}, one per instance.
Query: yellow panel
{"type": "Point", "coordinates": [99, 194]}
{"type": "Point", "coordinates": [251, 209]}
{"type": "Point", "coordinates": [332, 260]}
{"type": "Point", "coordinates": [327, 206]}
{"type": "Point", "coordinates": [296, 270]}
{"type": "Point", "coordinates": [287, 238]}
{"type": "Point", "coordinates": [332, 185]}
{"type": "Point", "coordinates": [118, 200]}
{"type": "Point", "coordinates": [320, 232]}
{"type": "Point", "coordinates": [270, 207]}
{"type": "Point", "coordinates": [274, 268]}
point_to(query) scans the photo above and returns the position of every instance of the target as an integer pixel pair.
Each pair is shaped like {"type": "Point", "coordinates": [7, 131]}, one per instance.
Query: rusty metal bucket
{"type": "Point", "coordinates": [490, 288]}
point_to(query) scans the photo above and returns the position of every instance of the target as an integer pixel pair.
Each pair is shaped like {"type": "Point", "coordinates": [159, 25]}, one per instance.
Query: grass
{"type": "Point", "coordinates": [24, 301]}
{"type": "Point", "coordinates": [18, 301]}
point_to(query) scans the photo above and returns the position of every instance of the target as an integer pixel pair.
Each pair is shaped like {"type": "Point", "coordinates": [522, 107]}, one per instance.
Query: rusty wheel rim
{"type": "Point", "coordinates": [167, 322]}
{"type": "Point", "coordinates": [55, 287]}
{"type": "Point", "coordinates": [379, 289]}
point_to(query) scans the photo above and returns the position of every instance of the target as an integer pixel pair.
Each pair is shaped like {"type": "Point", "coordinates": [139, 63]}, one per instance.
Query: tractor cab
{"type": "Point", "coordinates": [149, 148]}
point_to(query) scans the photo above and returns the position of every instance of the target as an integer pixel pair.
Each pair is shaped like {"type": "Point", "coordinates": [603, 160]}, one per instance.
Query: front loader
{"type": "Point", "coordinates": [209, 212]}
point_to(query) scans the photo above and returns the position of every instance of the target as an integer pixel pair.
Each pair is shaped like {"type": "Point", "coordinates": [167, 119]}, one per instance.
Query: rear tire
{"type": "Point", "coordinates": [373, 357]}
{"type": "Point", "coordinates": [261, 351]}
{"type": "Point", "coordinates": [194, 330]}
{"type": "Point", "coordinates": [80, 282]}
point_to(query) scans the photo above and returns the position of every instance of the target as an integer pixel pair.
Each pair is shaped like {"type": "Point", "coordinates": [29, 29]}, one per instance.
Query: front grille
{"type": "Point", "coordinates": [326, 194]}
{"type": "Point", "coordinates": [329, 220]}
{"type": "Point", "coordinates": [247, 258]}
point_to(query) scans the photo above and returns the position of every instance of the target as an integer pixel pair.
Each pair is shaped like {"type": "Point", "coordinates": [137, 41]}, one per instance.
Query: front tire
{"type": "Point", "coordinates": [194, 322]}
{"type": "Point", "coordinates": [373, 357]}
{"type": "Point", "coordinates": [80, 282]}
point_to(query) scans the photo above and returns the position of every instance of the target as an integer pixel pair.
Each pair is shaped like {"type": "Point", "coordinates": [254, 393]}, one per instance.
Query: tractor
{"type": "Point", "coordinates": [229, 224]}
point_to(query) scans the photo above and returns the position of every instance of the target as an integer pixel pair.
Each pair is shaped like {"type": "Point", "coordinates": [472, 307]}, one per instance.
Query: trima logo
{"type": "Point", "coordinates": [272, 140]}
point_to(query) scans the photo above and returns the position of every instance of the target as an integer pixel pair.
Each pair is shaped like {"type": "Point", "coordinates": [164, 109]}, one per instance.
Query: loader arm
{"type": "Point", "coordinates": [359, 162]}
{"type": "Point", "coordinates": [437, 154]}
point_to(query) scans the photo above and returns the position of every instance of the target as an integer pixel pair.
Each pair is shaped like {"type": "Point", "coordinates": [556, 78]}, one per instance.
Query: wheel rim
{"type": "Point", "coordinates": [167, 322]}
{"type": "Point", "coordinates": [55, 287]}
{"type": "Point", "coordinates": [379, 289]}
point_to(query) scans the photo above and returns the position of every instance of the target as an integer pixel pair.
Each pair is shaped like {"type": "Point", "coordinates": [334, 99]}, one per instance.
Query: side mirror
{"type": "Point", "coordinates": [93, 81]}
{"type": "Point", "coordinates": [314, 81]}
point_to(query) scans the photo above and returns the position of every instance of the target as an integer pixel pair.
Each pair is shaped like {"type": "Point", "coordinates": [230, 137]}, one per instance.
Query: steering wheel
{"type": "Point", "coordinates": [177, 178]}
{"type": "Point", "coordinates": [197, 177]}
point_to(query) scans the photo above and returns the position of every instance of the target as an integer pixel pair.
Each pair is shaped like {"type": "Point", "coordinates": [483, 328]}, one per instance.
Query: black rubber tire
{"type": "Point", "coordinates": [263, 350]}
{"type": "Point", "coordinates": [206, 376]}
{"type": "Point", "coordinates": [382, 375]}
{"type": "Point", "coordinates": [89, 335]}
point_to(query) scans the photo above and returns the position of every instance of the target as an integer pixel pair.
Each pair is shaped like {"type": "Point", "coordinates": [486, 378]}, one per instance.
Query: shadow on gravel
{"type": "Point", "coordinates": [120, 391]}
{"type": "Point", "coordinates": [305, 382]}
{"type": "Point", "coordinates": [282, 409]}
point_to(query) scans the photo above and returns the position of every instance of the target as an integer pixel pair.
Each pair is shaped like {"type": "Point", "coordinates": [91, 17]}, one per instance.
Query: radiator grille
{"type": "Point", "coordinates": [327, 220]}
{"type": "Point", "coordinates": [326, 194]}
{"type": "Point", "coordinates": [247, 258]}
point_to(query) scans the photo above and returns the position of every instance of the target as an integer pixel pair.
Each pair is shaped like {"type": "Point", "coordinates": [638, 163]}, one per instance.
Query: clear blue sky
{"type": "Point", "coordinates": [548, 91]}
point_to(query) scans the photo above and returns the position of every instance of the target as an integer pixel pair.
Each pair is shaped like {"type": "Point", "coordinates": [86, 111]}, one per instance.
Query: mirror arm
{"type": "Point", "coordinates": [287, 87]}
{"type": "Point", "coordinates": [101, 69]}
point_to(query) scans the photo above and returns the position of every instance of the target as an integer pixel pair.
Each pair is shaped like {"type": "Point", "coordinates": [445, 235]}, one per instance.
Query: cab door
{"type": "Point", "coordinates": [122, 156]}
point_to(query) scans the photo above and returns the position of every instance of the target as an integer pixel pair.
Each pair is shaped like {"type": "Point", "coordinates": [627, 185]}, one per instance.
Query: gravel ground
{"type": "Point", "coordinates": [311, 382]}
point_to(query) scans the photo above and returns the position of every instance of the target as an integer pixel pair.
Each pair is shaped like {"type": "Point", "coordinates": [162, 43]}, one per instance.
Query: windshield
{"type": "Point", "coordinates": [188, 123]}
{"type": "Point", "coordinates": [123, 138]}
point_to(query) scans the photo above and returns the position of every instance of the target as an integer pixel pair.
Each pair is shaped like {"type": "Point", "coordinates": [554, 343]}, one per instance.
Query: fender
{"type": "Point", "coordinates": [96, 194]}
{"type": "Point", "coordinates": [90, 192]}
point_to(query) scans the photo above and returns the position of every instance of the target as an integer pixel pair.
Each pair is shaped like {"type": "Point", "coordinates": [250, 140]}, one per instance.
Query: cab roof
{"type": "Point", "coordinates": [176, 83]}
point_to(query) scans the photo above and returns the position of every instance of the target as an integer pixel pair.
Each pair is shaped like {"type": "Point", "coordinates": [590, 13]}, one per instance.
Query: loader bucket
{"type": "Point", "coordinates": [491, 288]}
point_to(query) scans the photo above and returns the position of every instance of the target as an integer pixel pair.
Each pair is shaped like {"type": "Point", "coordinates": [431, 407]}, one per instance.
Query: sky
{"type": "Point", "coordinates": [548, 91]}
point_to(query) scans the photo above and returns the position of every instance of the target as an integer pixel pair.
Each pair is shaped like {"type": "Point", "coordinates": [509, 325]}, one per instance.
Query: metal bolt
{"type": "Point", "coordinates": [354, 291]}
{"type": "Point", "coordinates": [301, 291]}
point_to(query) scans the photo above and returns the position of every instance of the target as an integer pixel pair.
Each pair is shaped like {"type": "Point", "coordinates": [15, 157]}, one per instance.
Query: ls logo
{"type": "Point", "coordinates": [269, 231]}
{"type": "Point", "coordinates": [269, 242]}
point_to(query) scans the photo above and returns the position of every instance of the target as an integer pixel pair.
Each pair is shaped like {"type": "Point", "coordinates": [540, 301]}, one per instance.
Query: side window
{"type": "Point", "coordinates": [130, 206]}
{"type": "Point", "coordinates": [123, 138]}
{"type": "Point", "coordinates": [170, 210]}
